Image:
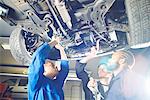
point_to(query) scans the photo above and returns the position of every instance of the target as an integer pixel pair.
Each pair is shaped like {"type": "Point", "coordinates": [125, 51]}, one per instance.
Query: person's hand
{"type": "Point", "coordinates": [92, 54]}
{"type": "Point", "coordinates": [92, 83]}
{"type": "Point", "coordinates": [93, 51]}
{"type": "Point", "coordinates": [56, 38]}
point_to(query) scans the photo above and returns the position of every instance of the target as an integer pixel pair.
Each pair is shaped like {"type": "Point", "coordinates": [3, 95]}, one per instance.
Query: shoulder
{"type": "Point", "coordinates": [64, 61]}
{"type": "Point", "coordinates": [40, 48]}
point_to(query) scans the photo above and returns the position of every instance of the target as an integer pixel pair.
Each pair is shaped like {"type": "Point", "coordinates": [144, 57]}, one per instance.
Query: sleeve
{"type": "Point", "coordinates": [83, 75]}
{"type": "Point", "coordinates": [36, 69]}
{"type": "Point", "coordinates": [36, 73]}
{"type": "Point", "coordinates": [80, 71]}
{"type": "Point", "coordinates": [39, 51]}
{"type": "Point", "coordinates": [63, 72]}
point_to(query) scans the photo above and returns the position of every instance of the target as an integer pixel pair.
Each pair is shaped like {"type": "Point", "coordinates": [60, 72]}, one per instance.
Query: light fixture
{"type": "Point", "coordinates": [3, 11]}
{"type": "Point", "coordinates": [113, 36]}
{"type": "Point", "coordinates": [5, 46]}
{"type": "Point", "coordinates": [141, 45]}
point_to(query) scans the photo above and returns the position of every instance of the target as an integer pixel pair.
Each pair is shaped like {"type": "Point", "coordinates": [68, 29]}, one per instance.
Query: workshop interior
{"type": "Point", "coordinates": [109, 25]}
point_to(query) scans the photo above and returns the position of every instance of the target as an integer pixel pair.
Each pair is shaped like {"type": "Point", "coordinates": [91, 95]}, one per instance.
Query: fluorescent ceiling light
{"type": "Point", "coordinates": [6, 46]}
{"type": "Point", "coordinates": [9, 74]}
{"type": "Point", "coordinates": [142, 45]}
{"type": "Point", "coordinates": [73, 79]}
{"type": "Point", "coordinates": [113, 36]}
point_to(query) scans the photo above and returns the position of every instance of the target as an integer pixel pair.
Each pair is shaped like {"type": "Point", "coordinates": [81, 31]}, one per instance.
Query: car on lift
{"type": "Point", "coordinates": [108, 24]}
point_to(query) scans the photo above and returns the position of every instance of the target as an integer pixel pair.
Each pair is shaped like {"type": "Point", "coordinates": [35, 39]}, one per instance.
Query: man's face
{"type": "Point", "coordinates": [50, 70]}
{"type": "Point", "coordinates": [113, 63]}
{"type": "Point", "coordinates": [104, 75]}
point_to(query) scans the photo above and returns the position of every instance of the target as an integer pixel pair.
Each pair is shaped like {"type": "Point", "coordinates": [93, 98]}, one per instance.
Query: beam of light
{"type": "Point", "coordinates": [5, 46]}
{"type": "Point", "coordinates": [142, 45]}
{"type": "Point", "coordinates": [147, 87]}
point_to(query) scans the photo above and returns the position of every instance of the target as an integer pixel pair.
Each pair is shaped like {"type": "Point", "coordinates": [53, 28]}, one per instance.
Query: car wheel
{"type": "Point", "coordinates": [18, 48]}
{"type": "Point", "coordinates": [139, 22]}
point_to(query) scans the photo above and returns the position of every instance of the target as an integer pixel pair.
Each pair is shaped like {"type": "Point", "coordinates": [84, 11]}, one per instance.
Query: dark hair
{"type": "Point", "coordinates": [129, 57]}
{"type": "Point", "coordinates": [49, 61]}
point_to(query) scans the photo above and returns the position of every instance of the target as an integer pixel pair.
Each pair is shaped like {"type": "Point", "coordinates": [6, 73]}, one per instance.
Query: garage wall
{"type": "Point", "coordinates": [6, 57]}
{"type": "Point", "coordinates": [73, 90]}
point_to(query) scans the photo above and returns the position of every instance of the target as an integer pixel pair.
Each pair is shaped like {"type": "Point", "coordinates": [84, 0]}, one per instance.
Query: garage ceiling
{"type": "Point", "coordinates": [5, 29]}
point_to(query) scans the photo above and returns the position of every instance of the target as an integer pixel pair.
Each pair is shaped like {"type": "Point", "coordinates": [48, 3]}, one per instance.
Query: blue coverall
{"type": "Point", "coordinates": [41, 87]}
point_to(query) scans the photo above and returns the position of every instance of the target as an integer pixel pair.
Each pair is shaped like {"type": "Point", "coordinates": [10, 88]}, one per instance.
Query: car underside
{"type": "Point", "coordinates": [107, 24]}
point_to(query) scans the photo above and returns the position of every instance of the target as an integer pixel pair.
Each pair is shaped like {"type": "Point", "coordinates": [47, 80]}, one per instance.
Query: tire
{"type": "Point", "coordinates": [18, 48]}
{"type": "Point", "coordinates": [138, 12]}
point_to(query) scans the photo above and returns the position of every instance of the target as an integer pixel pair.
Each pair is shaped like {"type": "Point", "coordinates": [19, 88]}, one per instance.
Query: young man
{"type": "Point", "coordinates": [100, 86]}
{"type": "Point", "coordinates": [45, 79]}
{"type": "Point", "coordinates": [121, 62]}
{"type": "Point", "coordinates": [83, 75]}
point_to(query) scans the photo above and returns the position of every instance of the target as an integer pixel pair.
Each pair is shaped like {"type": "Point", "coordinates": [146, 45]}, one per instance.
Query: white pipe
{"type": "Point", "coordinates": [63, 12]}
{"type": "Point", "coordinates": [57, 20]}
